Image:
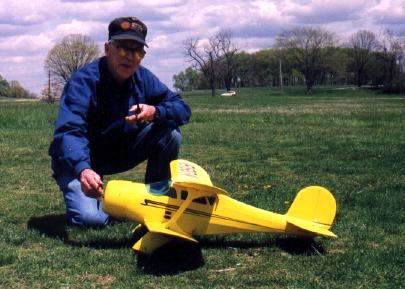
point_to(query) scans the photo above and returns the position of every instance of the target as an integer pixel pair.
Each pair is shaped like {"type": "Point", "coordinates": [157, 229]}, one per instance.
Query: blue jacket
{"type": "Point", "coordinates": [92, 114]}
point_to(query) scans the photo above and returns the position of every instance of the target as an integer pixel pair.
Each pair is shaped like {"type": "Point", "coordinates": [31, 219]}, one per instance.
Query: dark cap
{"type": "Point", "coordinates": [130, 28]}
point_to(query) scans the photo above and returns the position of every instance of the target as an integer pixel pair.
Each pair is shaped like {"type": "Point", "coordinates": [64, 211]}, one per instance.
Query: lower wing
{"type": "Point", "coordinates": [157, 236]}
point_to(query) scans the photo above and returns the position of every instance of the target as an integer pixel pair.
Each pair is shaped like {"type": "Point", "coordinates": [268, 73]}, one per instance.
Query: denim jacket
{"type": "Point", "coordinates": [92, 113]}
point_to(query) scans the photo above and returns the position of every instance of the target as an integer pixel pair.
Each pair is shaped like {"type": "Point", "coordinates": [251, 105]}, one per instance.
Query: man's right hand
{"type": "Point", "coordinates": [91, 183]}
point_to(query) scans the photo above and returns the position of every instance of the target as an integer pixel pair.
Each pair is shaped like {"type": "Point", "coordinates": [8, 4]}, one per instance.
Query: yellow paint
{"type": "Point", "coordinates": [192, 206]}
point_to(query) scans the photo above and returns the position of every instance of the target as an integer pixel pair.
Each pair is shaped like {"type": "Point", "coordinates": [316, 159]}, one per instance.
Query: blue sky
{"type": "Point", "coordinates": [29, 29]}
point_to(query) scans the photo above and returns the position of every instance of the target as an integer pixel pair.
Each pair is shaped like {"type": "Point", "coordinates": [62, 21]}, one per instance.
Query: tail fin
{"type": "Point", "coordinates": [313, 210]}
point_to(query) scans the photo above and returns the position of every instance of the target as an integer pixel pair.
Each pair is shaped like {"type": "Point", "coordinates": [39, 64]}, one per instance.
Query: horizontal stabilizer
{"type": "Point", "coordinates": [310, 227]}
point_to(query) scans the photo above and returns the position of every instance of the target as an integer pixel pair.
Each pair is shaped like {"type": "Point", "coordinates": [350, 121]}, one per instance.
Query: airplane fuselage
{"type": "Point", "coordinates": [218, 214]}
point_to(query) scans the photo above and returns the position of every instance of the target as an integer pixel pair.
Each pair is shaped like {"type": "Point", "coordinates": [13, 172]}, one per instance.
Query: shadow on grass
{"type": "Point", "coordinates": [180, 256]}
{"type": "Point", "coordinates": [171, 259]}
{"type": "Point", "coordinates": [222, 241]}
{"type": "Point", "coordinates": [291, 245]}
{"type": "Point", "coordinates": [177, 256]}
{"type": "Point", "coordinates": [54, 226]}
{"type": "Point", "coordinates": [300, 246]}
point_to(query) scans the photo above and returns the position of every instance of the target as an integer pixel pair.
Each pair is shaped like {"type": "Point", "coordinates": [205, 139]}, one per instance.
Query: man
{"type": "Point", "coordinates": [114, 114]}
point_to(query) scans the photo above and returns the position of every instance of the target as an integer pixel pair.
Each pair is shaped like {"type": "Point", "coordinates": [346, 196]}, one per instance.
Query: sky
{"type": "Point", "coordinates": [29, 29]}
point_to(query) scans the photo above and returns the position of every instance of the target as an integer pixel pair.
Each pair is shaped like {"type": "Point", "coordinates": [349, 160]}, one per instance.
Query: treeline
{"type": "Point", "coordinates": [301, 56]}
{"type": "Point", "coordinates": [13, 89]}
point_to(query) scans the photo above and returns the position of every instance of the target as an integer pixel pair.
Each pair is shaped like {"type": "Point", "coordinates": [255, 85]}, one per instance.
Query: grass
{"type": "Point", "coordinates": [262, 146]}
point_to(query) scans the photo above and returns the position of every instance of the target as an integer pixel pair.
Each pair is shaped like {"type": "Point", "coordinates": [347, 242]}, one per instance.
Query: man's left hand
{"type": "Point", "coordinates": [143, 113]}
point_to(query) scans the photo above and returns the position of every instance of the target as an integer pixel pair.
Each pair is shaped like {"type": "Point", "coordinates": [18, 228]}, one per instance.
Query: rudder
{"type": "Point", "coordinates": [315, 204]}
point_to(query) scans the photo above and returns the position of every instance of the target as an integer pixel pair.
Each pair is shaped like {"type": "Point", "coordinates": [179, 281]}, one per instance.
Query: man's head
{"type": "Point", "coordinates": [125, 46]}
{"type": "Point", "coordinates": [127, 28]}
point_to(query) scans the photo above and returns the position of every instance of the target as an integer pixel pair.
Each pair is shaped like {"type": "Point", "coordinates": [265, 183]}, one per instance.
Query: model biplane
{"type": "Point", "coordinates": [189, 205]}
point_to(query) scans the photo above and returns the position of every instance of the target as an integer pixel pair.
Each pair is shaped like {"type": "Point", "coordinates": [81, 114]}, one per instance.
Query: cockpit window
{"type": "Point", "coordinates": [201, 200]}
{"type": "Point", "coordinates": [162, 188]}
{"type": "Point", "coordinates": [211, 200]}
{"type": "Point", "coordinates": [184, 195]}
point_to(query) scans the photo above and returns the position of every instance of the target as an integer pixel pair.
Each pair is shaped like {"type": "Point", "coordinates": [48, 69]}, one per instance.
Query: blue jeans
{"type": "Point", "coordinates": [157, 144]}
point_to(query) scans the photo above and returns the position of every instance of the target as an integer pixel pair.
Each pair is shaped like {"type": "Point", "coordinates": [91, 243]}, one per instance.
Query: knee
{"type": "Point", "coordinates": [82, 210]}
{"type": "Point", "coordinates": [175, 138]}
{"type": "Point", "coordinates": [169, 141]}
{"type": "Point", "coordinates": [91, 218]}
{"type": "Point", "coordinates": [171, 144]}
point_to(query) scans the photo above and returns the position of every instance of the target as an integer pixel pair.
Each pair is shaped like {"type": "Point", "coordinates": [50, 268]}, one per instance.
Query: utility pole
{"type": "Point", "coordinates": [50, 98]}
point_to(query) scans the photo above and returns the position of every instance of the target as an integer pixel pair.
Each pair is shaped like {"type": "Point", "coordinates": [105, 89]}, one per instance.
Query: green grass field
{"type": "Point", "coordinates": [263, 146]}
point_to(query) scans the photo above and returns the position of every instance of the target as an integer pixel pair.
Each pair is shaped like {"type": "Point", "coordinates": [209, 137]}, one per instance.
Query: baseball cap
{"type": "Point", "coordinates": [127, 28]}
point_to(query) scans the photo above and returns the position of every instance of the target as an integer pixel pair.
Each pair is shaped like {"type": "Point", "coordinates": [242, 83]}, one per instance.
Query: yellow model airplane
{"type": "Point", "coordinates": [189, 205]}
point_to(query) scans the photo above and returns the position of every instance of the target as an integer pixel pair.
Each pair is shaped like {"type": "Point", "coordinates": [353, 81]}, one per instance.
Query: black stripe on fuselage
{"type": "Point", "coordinates": [174, 208]}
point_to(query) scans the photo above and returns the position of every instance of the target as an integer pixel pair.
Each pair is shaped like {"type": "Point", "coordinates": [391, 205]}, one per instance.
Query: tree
{"type": "Point", "coordinates": [180, 81]}
{"type": "Point", "coordinates": [68, 55]}
{"type": "Point", "coordinates": [214, 59]}
{"type": "Point", "coordinates": [309, 48]}
{"type": "Point", "coordinates": [362, 44]}
{"type": "Point", "coordinates": [4, 86]}
{"type": "Point", "coordinates": [392, 55]}
{"type": "Point", "coordinates": [204, 59]}
{"type": "Point", "coordinates": [17, 91]}
{"type": "Point", "coordinates": [336, 71]}
{"type": "Point", "coordinates": [186, 80]}
{"type": "Point", "coordinates": [241, 73]}
{"type": "Point", "coordinates": [51, 92]}
{"type": "Point", "coordinates": [227, 50]}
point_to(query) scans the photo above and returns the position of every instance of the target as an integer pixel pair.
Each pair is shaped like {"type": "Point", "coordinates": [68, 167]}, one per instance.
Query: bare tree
{"type": "Point", "coordinates": [309, 48]}
{"type": "Point", "coordinates": [227, 50]}
{"type": "Point", "coordinates": [363, 43]}
{"type": "Point", "coordinates": [204, 59]}
{"type": "Point", "coordinates": [215, 59]}
{"type": "Point", "coordinates": [68, 55]}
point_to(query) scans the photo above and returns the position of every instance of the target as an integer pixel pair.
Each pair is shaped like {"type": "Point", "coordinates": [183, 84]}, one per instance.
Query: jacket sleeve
{"type": "Point", "coordinates": [170, 105]}
{"type": "Point", "coordinates": [70, 146]}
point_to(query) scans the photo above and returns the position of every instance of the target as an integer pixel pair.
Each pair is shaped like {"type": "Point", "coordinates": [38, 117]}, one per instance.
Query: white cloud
{"type": "Point", "coordinates": [25, 44]}
{"type": "Point", "coordinates": [88, 28]}
{"type": "Point", "coordinates": [389, 12]}
{"type": "Point", "coordinates": [164, 3]}
{"type": "Point", "coordinates": [24, 12]}
{"type": "Point", "coordinates": [266, 9]}
{"type": "Point", "coordinates": [160, 42]}
{"type": "Point", "coordinates": [28, 29]}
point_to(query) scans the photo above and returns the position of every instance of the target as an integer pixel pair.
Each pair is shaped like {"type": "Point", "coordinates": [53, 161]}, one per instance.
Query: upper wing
{"type": "Point", "coordinates": [186, 174]}
{"type": "Point", "coordinates": [185, 171]}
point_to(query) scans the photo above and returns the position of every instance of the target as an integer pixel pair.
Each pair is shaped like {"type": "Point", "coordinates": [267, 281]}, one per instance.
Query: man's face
{"type": "Point", "coordinates": [124, 57]}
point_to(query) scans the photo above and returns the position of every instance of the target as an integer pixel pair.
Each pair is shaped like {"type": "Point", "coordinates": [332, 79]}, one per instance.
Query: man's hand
{"type": "Point", "coordinates": [143, 113]}
{"type": "Point", "coordinates": [91, 184]}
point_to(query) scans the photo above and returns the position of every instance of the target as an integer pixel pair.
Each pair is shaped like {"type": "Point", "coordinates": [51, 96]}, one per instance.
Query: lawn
{"type": "Point", "coordinates": [262, 146]}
